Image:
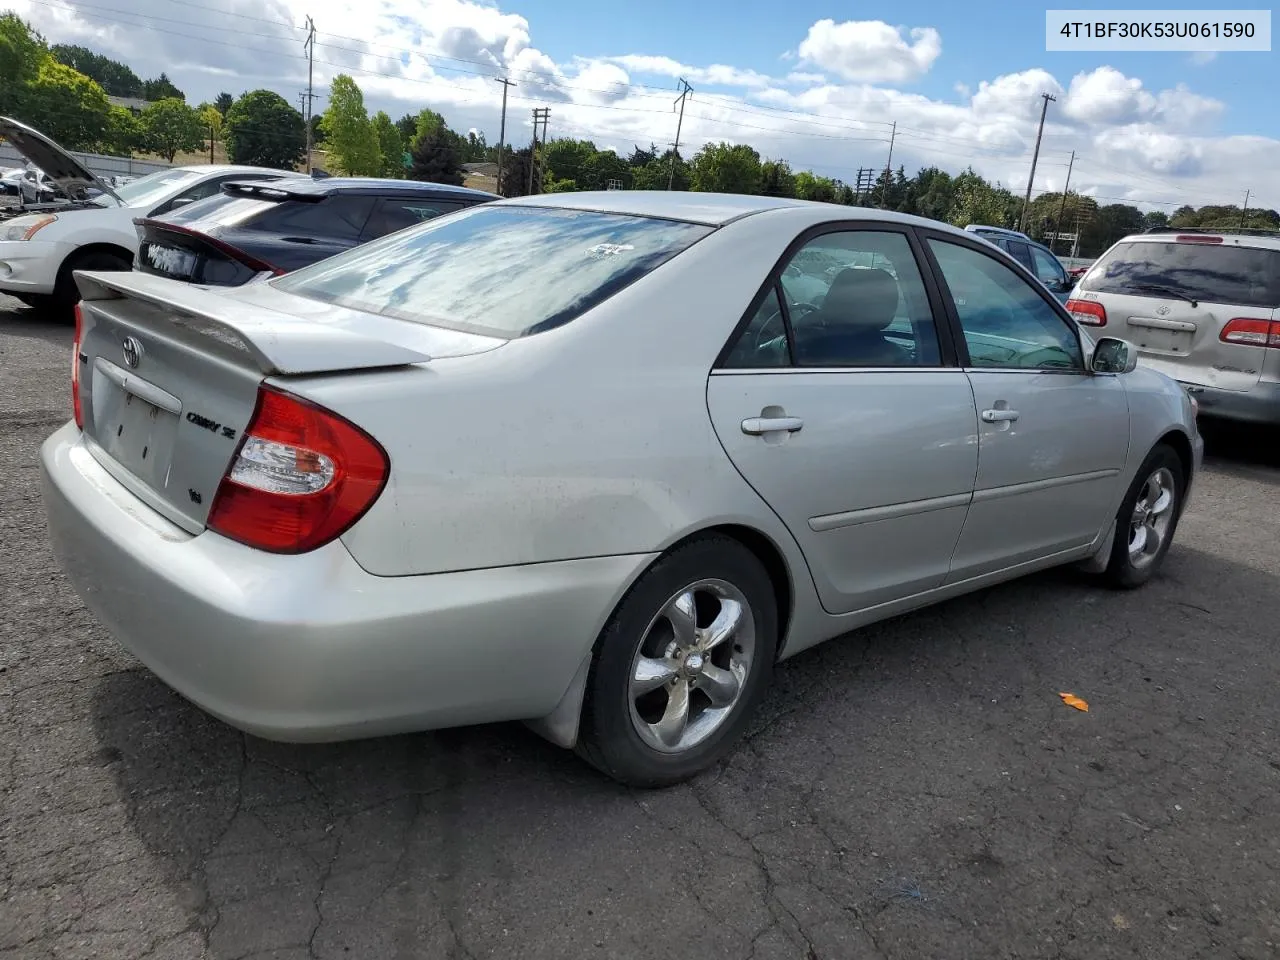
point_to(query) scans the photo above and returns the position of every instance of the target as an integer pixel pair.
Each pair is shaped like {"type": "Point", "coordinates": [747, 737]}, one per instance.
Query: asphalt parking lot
{"type": "Point", "coordinates": [916, 791]}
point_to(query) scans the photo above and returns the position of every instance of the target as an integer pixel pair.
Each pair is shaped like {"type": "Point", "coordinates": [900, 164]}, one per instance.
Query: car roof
{"type": "Point", "coordinates": [1262, 239]}
{"type": "Point", "coordinates": [328, 186]}
{"type": "Point", "coordinates": [712, 209]}
{"type": "Point", "coordinates": [237, 168]}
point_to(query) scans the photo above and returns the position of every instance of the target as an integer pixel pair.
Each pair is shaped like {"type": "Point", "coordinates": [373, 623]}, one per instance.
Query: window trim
{"type": "Point", "coordinates": [953, 317]}
{"type": "Point", "coordinates": [948, 351]}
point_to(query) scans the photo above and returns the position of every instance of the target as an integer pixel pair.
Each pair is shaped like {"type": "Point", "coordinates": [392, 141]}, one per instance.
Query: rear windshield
{"type": "Point", "coordinates": [220, 210]}
{"type": "Point", "coordinates": [498, 271]}
{"type": "Point", "coordinates": [1215, 273]}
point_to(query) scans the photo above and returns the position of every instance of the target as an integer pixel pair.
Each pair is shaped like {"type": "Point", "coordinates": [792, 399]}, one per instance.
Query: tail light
{"type": "Point", "coordinates": [301, 477]}
{"type": "Point", "coordinates": [75, 368]}
{"type": "Point", "coordinates": [1088, 312]}
{"type": "Point", "coordinates": [1195, 238]}
{"type": "Point", "coordinates": [1249, 332]}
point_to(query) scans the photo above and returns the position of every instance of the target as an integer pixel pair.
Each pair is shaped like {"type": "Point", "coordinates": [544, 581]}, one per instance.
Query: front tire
{"type": "Point", "coordinates": [65, 292]}
{"type": "Point", "coordinates": [1147, 520]}
{"type": "Point", "coordinates": [681, 665]}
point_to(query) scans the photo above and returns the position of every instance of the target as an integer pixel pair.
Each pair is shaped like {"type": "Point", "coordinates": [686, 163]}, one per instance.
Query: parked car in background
{"type": "Point", "coordinates": [1202, 306]}
{"type": "Point", "coordinates": [280, 225]}
{"type": "Point", "coordinates": [42, 244]}
{"type": "Point", "coordinates": [588, 449]}
{"type": "Point", "coordinates": [1036, 257]}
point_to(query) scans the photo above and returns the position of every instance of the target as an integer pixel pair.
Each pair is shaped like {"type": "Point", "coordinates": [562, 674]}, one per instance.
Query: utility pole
{"type": "Point", "coordinates": [502, 129]}
{"type": "Point", "coordinates": [310, 46]}
{"type": "Point", "coordinates": [1244, 209]}
{"type": "Point", "coordinates": [884, 194]}
{"type": "Point", "coordinates": [539, 114]}
{"type": "Point", "coordinates": [675, 147]}
{"type": "Point", "coordinates": [1026, 200]}
{"type": "Point", "coordinates": [1062, 207]}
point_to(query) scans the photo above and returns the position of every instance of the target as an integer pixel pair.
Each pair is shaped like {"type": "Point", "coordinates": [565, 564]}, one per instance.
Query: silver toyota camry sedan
{"type": "Point", "coordinates": [592, 461]}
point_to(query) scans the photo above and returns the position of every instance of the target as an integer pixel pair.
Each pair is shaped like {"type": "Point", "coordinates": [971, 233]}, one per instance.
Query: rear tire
{"type": "Point", "coordinates": [681, 666]}
{"type": "Point", "coordinates": [1147, 520]}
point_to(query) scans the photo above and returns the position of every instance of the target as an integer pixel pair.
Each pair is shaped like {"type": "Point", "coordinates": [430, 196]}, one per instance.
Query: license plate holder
{"type": "Point", "coordinates": [137, 434]}
{"type": "Point", "coordinates": [1168, 338]}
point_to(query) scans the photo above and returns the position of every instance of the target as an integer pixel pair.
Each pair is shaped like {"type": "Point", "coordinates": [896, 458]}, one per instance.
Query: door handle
{"type": "Point", "coordinates": [755, 426]}
{"type": "Point", "coordinates": [999, 416]}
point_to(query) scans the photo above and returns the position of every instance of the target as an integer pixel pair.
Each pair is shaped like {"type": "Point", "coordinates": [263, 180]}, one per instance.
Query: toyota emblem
{"type": "Point", "coordinates": [132, 351]}
{"type": "Point", "coordinates": [1163, 310]}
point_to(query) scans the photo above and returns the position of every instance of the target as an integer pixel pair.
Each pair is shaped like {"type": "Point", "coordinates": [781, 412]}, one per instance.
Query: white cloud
{"type": "Point", "coordinates": [1202, 58]}
{"type": "Point", "coordinates": [1131, 141]}
{"type": "Point", "coordinates": [870, 51]}
{"type": "Point", "coordinates": [1106, 96]}
{"type": "Point", "coordinates": [715, 75]}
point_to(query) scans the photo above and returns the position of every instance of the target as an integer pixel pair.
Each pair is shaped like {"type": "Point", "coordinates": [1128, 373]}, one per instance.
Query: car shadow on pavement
{"type": "Point", "coordinates": [931, 753]}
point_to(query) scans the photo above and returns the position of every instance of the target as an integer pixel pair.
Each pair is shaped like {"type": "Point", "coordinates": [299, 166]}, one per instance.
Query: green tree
{"type": "Point", "coordinates": [264, 130]}
{"type": "Point", "coordinates": [161, 88]}
{"type": "Point", "coordinates": [515, 173]}
{"type": "Point", "coordinates": [932, 193]}
{"type": "Point", "coordinates": [211, 124]}
{"type": "Point", "coordinates": [390, 146]}
{"type": "Point", "coordinates": [656, 174]}
{"type": "Point", "coordinates": [476, 148]}
{"type": "Point", "coordinates": [169, 127]}
{"type": "Point", "coordinates": [567, 159]}
{"type": "Point", "coordinates": [223, 103]}
{"type": "Point", "coordinates": [436, 158]}
{"type": "Point", "coordinates": [349, 137]}
{"type": "Point", "coordinates": [603, 168]}
{"type": "Point", "coordinates": [408, 127]}
{"type": "Point", "coordinates": [809, 186]}
{"type": "Point", "coordinates": [22, 50]}
{"type": "Point", "coordinates": [776, 179]}
{"type": "Point", "coordinates": [113, 76]}
{"type": "Point", "coordinates": [67, 106]}
{"type": "Point", "coordinates": [977, 201]}
{"type": "Point", "coordinates": [726, 168]}
{"type": "Point", "coordinates": [123, 134]}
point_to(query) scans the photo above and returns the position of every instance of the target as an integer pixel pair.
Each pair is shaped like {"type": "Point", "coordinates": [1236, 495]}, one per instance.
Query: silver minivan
{"type": "Point", "coordinates": [1202, 307]}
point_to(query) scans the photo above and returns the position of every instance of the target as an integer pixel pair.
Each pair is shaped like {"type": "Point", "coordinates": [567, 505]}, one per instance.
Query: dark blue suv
{"type": "Point", "coordinates": [277, 226]}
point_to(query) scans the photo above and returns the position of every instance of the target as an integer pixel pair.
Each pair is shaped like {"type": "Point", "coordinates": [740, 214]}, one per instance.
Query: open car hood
{"type": "Point", "coordinates": [71, 176]}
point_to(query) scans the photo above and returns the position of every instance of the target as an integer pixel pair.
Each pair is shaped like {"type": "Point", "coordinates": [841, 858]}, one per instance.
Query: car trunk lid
{"type": "Point", "coordinates": [169, 374]}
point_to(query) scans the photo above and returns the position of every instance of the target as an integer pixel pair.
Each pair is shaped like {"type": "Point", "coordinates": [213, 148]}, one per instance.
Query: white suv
{"type": "Point", "coordinates": [1201, 306]}
{"type": "Point", "coordinates": [91, 226]}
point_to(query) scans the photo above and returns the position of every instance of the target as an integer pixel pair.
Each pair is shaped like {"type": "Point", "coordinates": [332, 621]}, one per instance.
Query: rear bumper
{"type": "Point", "coordinates": [29, 266]}
{"type": "Point", "coordinates": [1260, 404]}
{"type": "Point", "coordinates": [310, 647]}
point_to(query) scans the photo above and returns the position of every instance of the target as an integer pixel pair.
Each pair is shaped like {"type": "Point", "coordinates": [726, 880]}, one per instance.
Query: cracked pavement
{"type": "Point", "coordinates": [914, 791]}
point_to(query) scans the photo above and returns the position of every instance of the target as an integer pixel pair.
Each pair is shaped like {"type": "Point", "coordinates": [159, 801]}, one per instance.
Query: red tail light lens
{"type": "Point", "coordinates": [1253, 333]}
{"type": "Point", "coordinates": [1088, 312]}
{"type": "Point", "coordinates": [301, 477]}
{"type": "Point", "coordinates": [1196, 238]}
{"type": "Point", "coordinates": [75, 369]}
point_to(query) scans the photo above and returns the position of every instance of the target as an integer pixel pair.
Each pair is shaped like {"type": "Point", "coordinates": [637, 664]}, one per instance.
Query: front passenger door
{"type": "Point", "coordinates": [1053, 437]}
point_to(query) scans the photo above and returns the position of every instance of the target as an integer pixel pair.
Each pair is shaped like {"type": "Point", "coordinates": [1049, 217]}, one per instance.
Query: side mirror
{"type": "Point", "coordinates": [1113, 355]}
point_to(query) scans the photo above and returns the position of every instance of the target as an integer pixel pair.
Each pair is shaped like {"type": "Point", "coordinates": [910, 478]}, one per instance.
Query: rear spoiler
{"type": "Point", "coordinates": [279, 343]}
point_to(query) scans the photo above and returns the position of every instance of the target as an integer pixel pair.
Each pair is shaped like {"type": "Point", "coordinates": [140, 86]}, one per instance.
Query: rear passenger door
{"type": "Point", "coordinates": [843, 408]}
{"type": "Point", "coordinates": [398, 213]}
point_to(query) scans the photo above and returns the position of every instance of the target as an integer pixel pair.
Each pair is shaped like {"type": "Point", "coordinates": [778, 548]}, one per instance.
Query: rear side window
{"type": "Point", "coordinates": [496, 270]}
{"type": "Point", "coordinates": [334, 218]}
{"type": "Point", "coordinates": [1215, 273]}
{"type": "Point", "coordinates": [397, 213]}
{"type": "Point", "coordinates": [224, 210]}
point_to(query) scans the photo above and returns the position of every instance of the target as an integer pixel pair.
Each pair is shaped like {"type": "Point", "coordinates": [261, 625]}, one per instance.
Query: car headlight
{"type": "Point", "coordinates": [24, 228]}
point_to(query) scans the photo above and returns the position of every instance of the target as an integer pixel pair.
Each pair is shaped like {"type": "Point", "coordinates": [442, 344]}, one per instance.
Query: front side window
{"type": "Point", "coordinates": [1005, 321]}
{"type": "Point", "coordinates": [1048, 271]}
{"type": "Point", "coordinates": [399, 213]}
{"type": "Point", "coordinates": [1211, 272]}
{"type": "Point", "coordinates": [502, 271]}
{"type": "Point", "coordinates": [854, 299]}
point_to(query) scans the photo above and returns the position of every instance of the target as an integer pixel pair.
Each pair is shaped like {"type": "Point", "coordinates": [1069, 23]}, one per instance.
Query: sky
{"type": "Point", "coordinates": [817, 83]}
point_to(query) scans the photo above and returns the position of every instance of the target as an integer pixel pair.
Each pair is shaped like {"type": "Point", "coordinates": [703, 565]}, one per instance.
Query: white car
{"type": "Point", "coordinates": [41, 245]}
